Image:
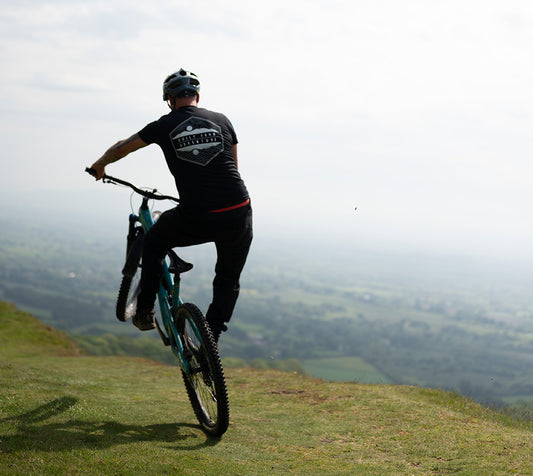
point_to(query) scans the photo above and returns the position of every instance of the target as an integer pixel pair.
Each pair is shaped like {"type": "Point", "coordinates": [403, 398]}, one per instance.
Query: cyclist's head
{"type": "Point", "coordinates": [181, 84]}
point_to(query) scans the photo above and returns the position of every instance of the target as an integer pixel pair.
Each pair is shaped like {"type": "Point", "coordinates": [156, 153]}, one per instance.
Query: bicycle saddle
{"type": "Point", "coordinates": [177, 265]}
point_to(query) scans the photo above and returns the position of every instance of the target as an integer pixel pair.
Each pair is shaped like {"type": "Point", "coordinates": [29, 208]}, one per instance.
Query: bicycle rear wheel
{"type": "Point", "coordinates": [130, 285]}
{"type": "Point", "coordinates": [205, 383]}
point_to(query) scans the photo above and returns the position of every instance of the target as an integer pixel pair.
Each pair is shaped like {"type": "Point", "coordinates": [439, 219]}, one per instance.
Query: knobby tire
{"type": "Point", "coordinates": [205, 384]}
{"type": "Point", "coordinates": [129, 287]}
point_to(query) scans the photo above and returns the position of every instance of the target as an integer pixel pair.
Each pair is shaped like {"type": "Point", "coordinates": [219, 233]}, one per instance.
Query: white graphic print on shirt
{"type": "Point", "coordinates": [197, 140]}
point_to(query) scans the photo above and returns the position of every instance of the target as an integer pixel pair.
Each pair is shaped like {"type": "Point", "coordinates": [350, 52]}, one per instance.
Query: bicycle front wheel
{"type": "Point", "coordinates": [205, 382]}
{"type": "Point", "coordinates": [127, 297]}
{"type": "Point", "coordinates": [130, 285]}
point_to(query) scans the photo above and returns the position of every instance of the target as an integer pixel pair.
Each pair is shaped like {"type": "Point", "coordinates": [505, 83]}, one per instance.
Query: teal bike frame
{"type": "Point", "coordinates": [168, 294]}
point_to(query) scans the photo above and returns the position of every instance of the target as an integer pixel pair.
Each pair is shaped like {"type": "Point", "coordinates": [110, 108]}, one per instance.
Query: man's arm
{"type": "Point", "coordinates": [116, 152]}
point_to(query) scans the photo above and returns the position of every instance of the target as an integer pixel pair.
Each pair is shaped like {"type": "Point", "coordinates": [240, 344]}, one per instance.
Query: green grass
{"type": "Point", "coordinates": [349, 369]}
{"type": "Point", "coordinates": [22, 335]}
{"type": "Point", "coordinates": [65, 413]}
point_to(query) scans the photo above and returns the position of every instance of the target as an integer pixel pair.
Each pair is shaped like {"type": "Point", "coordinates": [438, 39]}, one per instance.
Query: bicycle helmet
{"type": "Point", "coordinates": [181, 83]}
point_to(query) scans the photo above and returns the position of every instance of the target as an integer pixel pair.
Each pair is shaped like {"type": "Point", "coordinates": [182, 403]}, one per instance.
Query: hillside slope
{"type": "Point", "coordinates": [62, 413]}
{"type": "Point", "coordinates": [23, 335]}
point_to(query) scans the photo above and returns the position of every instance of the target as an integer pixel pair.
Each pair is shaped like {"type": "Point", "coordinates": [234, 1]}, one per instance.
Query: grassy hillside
{"type": "Point", "coordinates": [65, 413]}
{"type": "Point", "coordinates": [22, 335]}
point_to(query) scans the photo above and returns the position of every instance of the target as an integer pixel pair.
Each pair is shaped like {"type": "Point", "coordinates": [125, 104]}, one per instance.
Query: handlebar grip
{"type": "Point", "coordinates": [90, 171]}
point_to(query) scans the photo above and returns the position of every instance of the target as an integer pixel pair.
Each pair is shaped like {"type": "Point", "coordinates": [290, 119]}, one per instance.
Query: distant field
{"type": "Point", "coordinates": [357, 316]}
{"type": "Point", "coordinates": [348, 369]}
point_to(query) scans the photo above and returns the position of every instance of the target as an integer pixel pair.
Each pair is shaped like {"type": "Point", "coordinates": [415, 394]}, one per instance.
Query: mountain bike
{"type": "Point", "coordinates": [183, 328]}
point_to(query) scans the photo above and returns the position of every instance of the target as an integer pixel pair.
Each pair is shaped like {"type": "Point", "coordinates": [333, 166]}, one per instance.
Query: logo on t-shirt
{"type": "Point", "coordinates": [197, 140]}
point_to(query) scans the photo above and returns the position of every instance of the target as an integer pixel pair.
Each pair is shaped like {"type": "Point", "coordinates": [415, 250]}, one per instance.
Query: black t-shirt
{"type": "Point", "coordinates": [197, 147]}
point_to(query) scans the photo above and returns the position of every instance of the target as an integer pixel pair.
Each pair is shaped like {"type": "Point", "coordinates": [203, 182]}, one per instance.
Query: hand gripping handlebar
{"type": "Point", "coordinates": [145, 193]}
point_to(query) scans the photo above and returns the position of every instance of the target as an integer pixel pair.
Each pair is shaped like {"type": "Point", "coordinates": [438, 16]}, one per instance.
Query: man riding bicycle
{"type": "Point", "coordinates": [200, 148]}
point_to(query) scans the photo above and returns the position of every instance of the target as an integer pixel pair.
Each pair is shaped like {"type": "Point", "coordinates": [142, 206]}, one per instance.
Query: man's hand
{"type": "Point", "coordinates": [99, 170]}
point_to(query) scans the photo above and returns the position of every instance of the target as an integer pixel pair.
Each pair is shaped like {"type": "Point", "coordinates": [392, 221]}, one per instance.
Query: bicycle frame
{"type": "Point", "coordinates": [170, 288]}
{"type": "Point", "coordinates": [168, 294]}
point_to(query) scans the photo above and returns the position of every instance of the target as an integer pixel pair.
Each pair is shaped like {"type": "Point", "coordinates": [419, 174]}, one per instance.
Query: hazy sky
{"type": "Point", "coordinates": [417, 112]}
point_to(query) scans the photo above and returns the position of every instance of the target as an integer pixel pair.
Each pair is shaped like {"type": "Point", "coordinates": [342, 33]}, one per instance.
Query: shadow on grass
{"type": "Point", "coordinates": [32, 434]}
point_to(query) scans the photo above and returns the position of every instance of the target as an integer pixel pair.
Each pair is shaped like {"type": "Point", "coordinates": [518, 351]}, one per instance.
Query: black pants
{"type": "Point", "coordinates": [231, 232]}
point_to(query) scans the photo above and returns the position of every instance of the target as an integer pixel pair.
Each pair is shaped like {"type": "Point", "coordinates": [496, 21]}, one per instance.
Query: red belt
{"type": "Point", "coordinates": [243, 204]}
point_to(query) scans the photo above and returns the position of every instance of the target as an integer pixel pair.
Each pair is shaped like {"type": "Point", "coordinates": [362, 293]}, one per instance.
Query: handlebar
{"type": "Point", "coordinates": [145, 193]}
